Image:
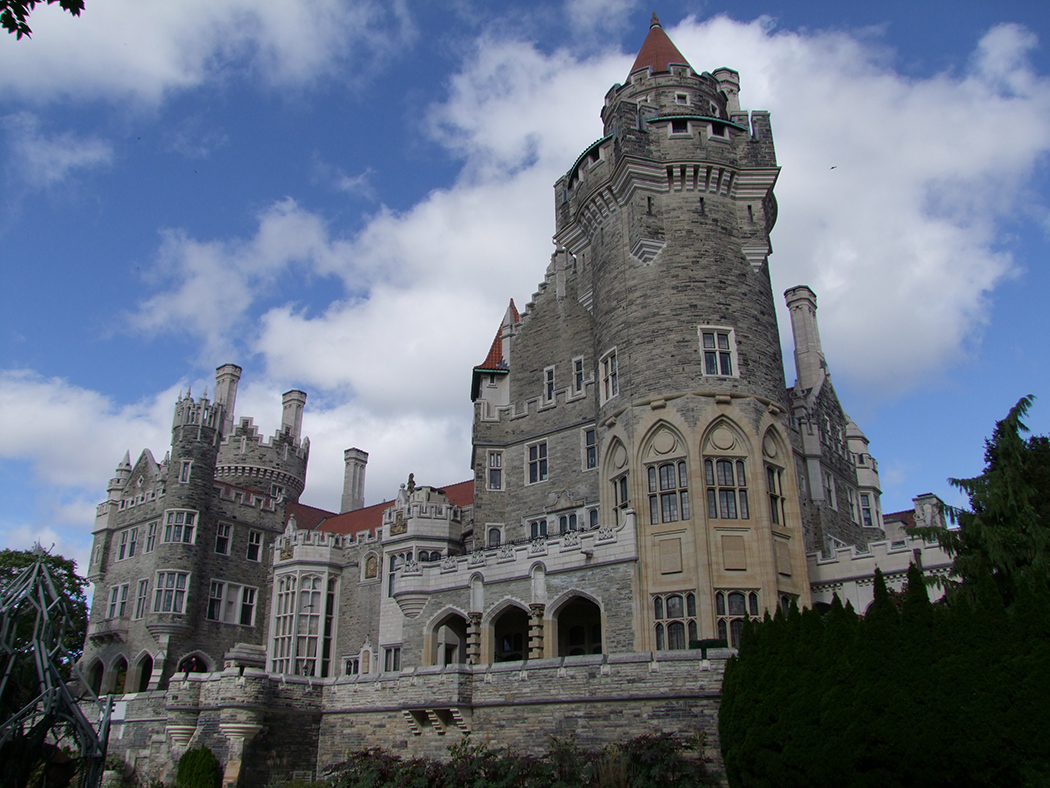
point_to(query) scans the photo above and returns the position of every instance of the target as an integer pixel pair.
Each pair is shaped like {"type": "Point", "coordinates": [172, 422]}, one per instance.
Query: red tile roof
{"type": "Point", "coordinates": [307, 517]}
{"type": "Point", "coordinates": [370, 517]}
{"type": "Point", "coordinates": [460, 493]}
{"type": "Point", "coordinates": [907, 517]}
{"type": "Point", "coordinates": [494, 360]}
{"type": "Point", "coordinates": [367, 519]}
{"type": "Point", "coordinates": [658, 51]}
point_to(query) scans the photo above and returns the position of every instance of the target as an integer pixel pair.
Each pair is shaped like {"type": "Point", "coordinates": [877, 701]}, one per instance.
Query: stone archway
{"type": "Point", "coordinates": [144, 671]}
{"type": "Point", "coordinates": [450, 640]}
{"type": "Point", "coordinates": [94, 676]}
{"type": "Point", "coordinates": [579, 628]}
{"type": "Point", "coordinates": [510, 635]}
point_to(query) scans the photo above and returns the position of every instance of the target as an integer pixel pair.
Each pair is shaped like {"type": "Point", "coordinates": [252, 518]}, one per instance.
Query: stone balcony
{"type": "Point", "coordinates": [108, 630]}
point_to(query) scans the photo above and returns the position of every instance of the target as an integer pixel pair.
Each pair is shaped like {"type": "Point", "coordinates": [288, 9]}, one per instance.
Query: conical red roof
{"type": "Point", "coordinates": [658, 51]}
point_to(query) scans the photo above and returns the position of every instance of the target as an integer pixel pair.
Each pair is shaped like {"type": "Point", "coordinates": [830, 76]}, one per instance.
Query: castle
{"type": "Point", "coordinates": [643, 482]}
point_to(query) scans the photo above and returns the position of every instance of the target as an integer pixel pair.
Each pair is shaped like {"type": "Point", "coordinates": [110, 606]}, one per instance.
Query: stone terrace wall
{"type": "Point", "coordinates": [308, 725]}
{"type": "Point", "coordinates": [600, 698]}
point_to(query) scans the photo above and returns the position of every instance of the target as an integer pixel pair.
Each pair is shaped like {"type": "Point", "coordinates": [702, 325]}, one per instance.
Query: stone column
{"type": "Point", "coordinates": [536, 630]}
{"type": "Point", "coordinates": [238, 734]}
{"type": "Point", "coordinates": [474, 639]}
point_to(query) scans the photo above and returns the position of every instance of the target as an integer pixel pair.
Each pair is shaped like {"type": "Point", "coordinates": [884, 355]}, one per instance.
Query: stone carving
{"type": "Point", "coordinates": [371, 567]}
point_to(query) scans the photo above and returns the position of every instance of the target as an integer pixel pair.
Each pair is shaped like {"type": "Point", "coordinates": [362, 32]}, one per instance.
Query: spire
{"type": "Point", "coordinates": [658, 51]}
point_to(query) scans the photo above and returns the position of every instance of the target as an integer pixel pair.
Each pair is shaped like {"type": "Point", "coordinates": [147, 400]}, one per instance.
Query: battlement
{"type": "Point", "coordinates": [274, 466]}
{"type": "Point", "coordinates": [197, 413]}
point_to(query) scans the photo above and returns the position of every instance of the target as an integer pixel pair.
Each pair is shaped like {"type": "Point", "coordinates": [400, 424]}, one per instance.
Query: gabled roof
{"type": "Point", "coordinates": [307, 517]}
{"type": "Point", "coordinates": [658, 51]}
{"type": "Point", "coordinates": [460, 493]}
{"type": "Point", "coordinates": [310, 518]}
{"type": "Point", "coordinates": [494, 360]}
{"type": "Point", "coordinates": [359, 520]}
{"type": "Point", "coordinates": [907, 517]}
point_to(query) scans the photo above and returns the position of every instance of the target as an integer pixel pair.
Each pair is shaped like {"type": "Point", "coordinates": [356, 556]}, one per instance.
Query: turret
{"type": "Point", "coordinates": [226, 378]}
{"type": "Point", "coordinates": [810, 365]}
{"type": "Point", "coordinates": [294, 402]}
{"type": "Point", "coordinates": [355, 461]}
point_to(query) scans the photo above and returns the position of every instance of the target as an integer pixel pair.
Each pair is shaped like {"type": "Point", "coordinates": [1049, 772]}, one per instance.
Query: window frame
{"type": "Point", "coordinates": [233, 599]}
{"type": "Point", "coordinates": [720, 356]}
{"type": "Point", "coordinates": [590, 448]}
{"type": "Point", "coordinates": [726, 501]}
{"type": "Point", "coordinates": [185, 471]}
{"type": "Point", "coordinates": [187, 531]}
{"type": "Point", "coordinates": [537, 462]}
{"type": "Point", "coordinates": [172, 597]}
{"type": "Point", "coordinates": [775, 491]}
{"type": "Point", "coordinates": [549, 385]}
{"type": "Point", "coordinates": [579, 377]}
{"type": "Point", "coordinates": [668, 497]}
{"type": "Point", "coordinates": [224, 531]}
{"type": "Point", "coordinates": [141, 599]}
{"type": "Point", "coordinates": [256, 540]}
{"type": "Point", "coordinates": [609, 369]}
{"type": "Point", "coordinates": [118, 601]}
{"type": "Point", "coordinates": [494, 470]}
{"type": "Point", "coordinates": [666, 621]}
{"type": "Point", "coordinates": [729, 622]}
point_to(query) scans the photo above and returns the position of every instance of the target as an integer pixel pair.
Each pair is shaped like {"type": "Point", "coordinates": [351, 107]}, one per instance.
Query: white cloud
{"type": "Point", "coordinates": [900, 240]}
{"type": "Point", "coordinates": [592, 18]}
{"type": "Point", "coordinates": [121, 48]}
{"type": "Point", "coordinates": [212, 284]}
{"type": "Point", "coordinates": [41, 160]}
{"type": "Point", "coordinates": [74, 436]}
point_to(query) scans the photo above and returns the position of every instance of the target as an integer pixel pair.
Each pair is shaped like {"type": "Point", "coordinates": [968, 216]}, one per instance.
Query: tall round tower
{"type": "Point", "coordinates": [667, 219]}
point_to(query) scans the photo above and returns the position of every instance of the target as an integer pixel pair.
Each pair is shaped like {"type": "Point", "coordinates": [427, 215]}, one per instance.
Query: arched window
{"type": "Point", "coordinates": [303, 623]}
{"type": "Point", "coordinates": [732, 609]}
{"type": "Point", "coordinates": [495, 537]}
{"type": "Point", "coordinates": [775, 486]}
{"type": "Point", "coordinates": [675, 616]}
{"type": "Point", "coordinates": [726, 489]}
{"type": "Point", "coordinates": [668, 493]}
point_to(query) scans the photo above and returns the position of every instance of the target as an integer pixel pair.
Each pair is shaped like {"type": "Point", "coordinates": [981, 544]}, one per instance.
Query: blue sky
{"type": "Point", "coordinates": [341, 195]}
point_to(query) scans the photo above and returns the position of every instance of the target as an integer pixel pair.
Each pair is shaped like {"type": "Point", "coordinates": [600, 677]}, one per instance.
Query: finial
{"type": "Point", "coordinates": [205, 392]}
{"type": "Point", "coordinates": [189, 392]}
{"type": "Point", "coordinates": [655, 21]}
{"type": "Point", "coordinates": [411, 483]}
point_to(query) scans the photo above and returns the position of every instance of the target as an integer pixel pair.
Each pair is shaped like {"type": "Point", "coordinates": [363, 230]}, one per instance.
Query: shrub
{"type": "Point", "coordinates": [198, 768]}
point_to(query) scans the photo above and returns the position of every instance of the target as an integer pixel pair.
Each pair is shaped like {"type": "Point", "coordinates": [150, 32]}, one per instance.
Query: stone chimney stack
{"type": "Point", "coordinates": [354, 480]}
{"type": "Point", "coordinates": [810, 366]}
{"type": "Point", "coordinates": [226, 379]}
{"type": "Point", "coordinates": [292, 417]}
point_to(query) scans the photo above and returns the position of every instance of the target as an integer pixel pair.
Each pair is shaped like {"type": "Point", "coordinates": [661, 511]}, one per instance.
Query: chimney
{"type": "Point", "coordinates": [354, 480]}
{"type": "Point", "coordinates": [292, 417]}
{"type": "Point", "coordinates": [810, 366]}
{"type": "Point", "coordinates": [226, 378]}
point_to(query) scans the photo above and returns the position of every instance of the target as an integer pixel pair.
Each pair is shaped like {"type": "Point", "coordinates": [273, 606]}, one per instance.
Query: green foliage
{"type": "Point", "coordinates": [1007, 527]}
{"type": "Point", "coordinates": [198, 768]}
{"type": "Point", "coordinates": [13, 13]}
{"type": "Point", "coordinates": [935, 695]}
{"type": "Point", "coordinates": [951, 695]}
{"type": "Point", "coordinates": [22, 685]}
{"type": "Point", "coordinates": [650, 761]}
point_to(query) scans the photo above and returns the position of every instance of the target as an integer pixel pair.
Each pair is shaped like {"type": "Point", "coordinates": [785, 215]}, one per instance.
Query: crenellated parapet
{"type": "Point", "coordinates": [274, 466]}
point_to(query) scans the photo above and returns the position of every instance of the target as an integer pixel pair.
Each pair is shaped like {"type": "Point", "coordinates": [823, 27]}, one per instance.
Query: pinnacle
{"type": "Point", "coordinates": [658, 51]}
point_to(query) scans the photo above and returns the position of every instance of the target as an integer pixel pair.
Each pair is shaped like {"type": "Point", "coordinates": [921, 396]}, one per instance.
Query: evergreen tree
{"type": "Point", "coordinates": [1007, 527]}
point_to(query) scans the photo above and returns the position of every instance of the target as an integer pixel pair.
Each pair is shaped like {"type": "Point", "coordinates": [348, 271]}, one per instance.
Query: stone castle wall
{"type": "Point", "coordinates": [305, 725]}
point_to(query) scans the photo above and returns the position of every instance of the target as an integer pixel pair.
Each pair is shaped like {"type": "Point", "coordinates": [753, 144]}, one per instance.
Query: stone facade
{"type": "Point", "coordinates": [643, 483]}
